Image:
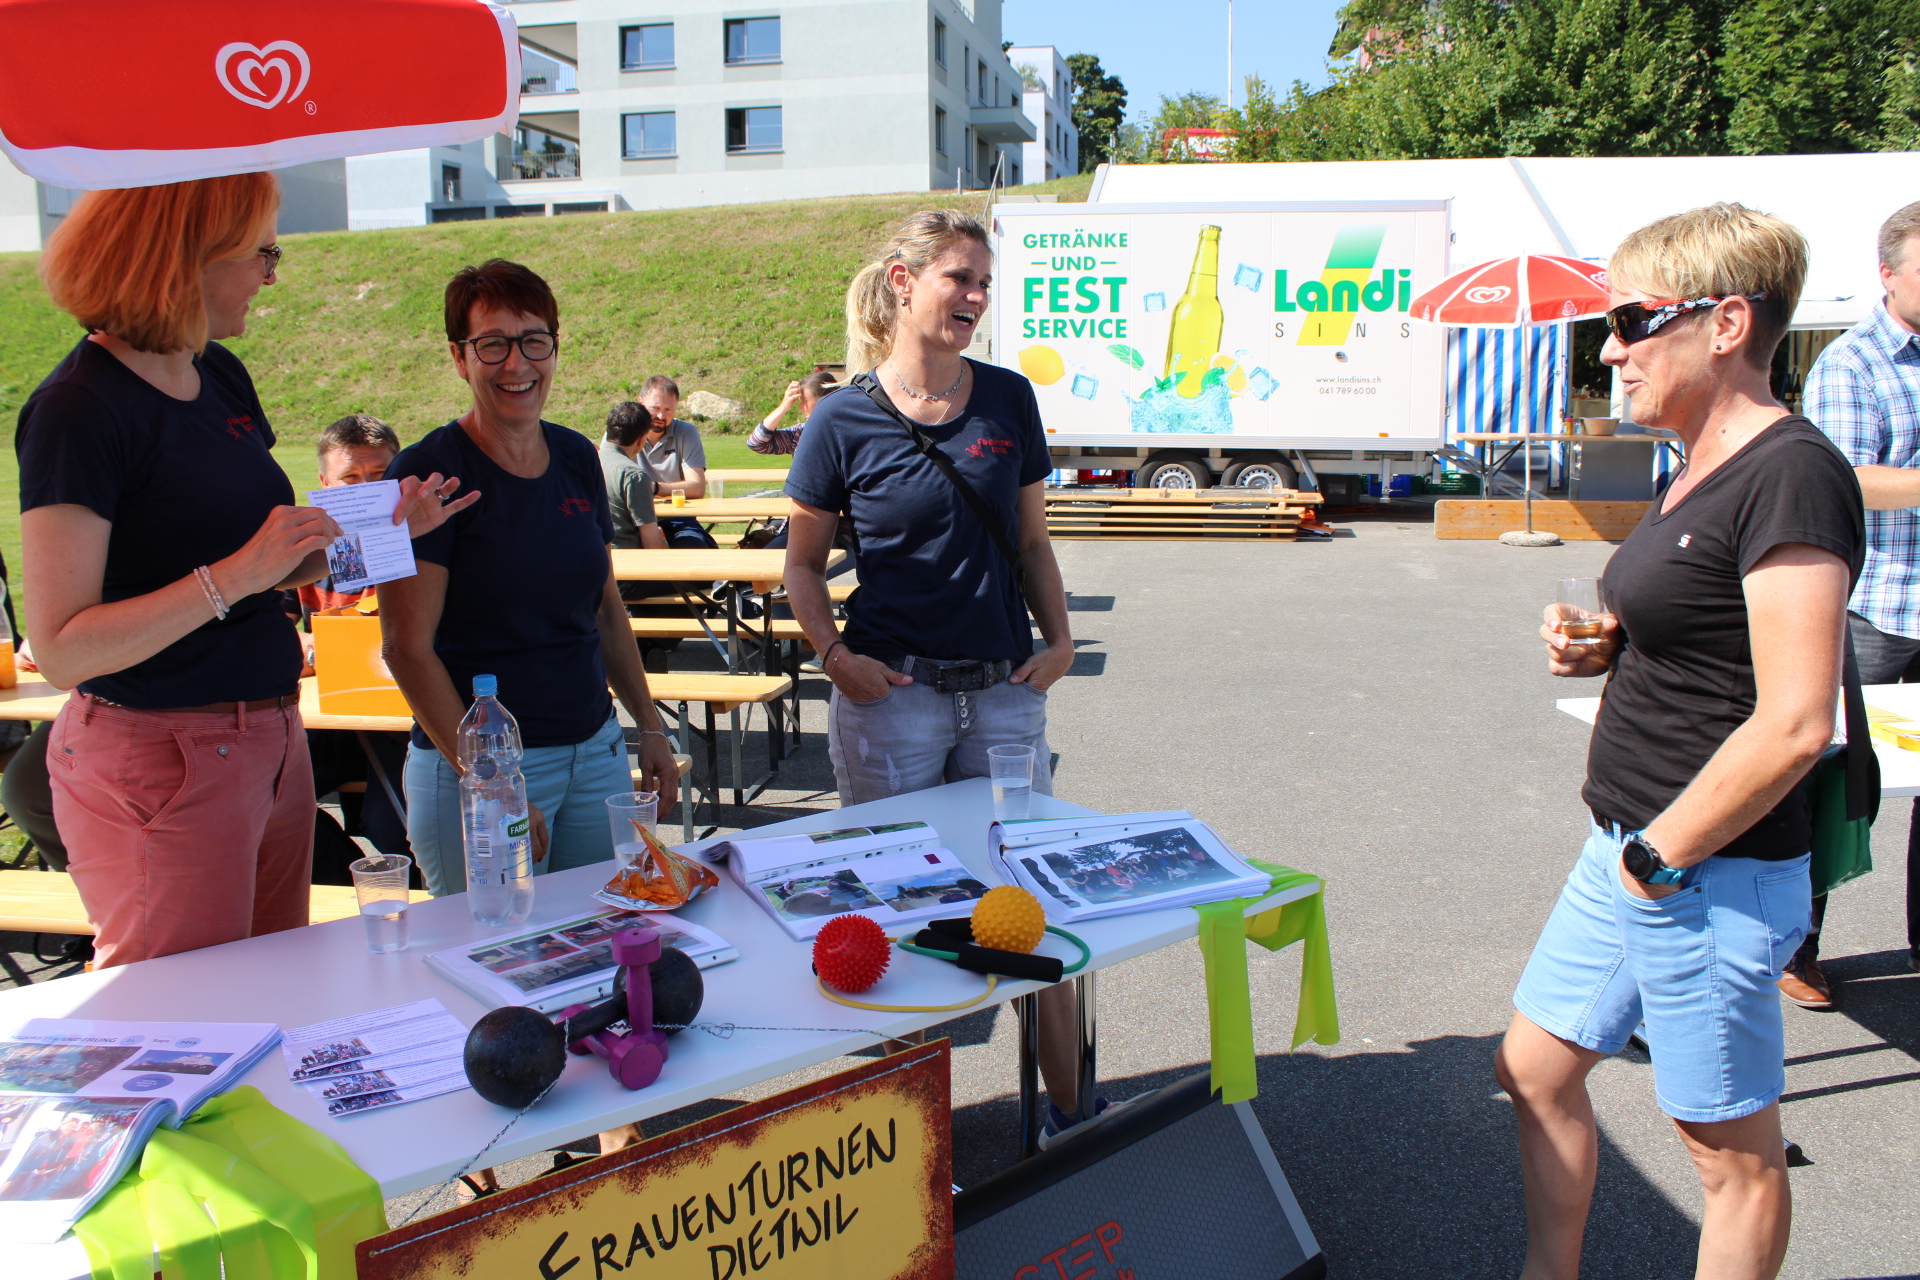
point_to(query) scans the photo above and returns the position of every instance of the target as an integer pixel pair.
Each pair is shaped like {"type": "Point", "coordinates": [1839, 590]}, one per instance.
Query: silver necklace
{"type": "Point", "coordinates": [932, 399]}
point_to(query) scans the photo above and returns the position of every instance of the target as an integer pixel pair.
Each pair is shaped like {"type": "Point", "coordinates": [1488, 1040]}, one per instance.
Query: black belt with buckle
{"type": "Point", "coordinates": [959, 677]}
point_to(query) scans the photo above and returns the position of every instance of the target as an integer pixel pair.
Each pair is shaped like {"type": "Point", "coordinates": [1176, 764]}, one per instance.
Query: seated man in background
{"type": "Point", "coordinates": [630, 503]}
{"type": "Point", "coordinates": [672, 454]}
{"type": "Point", "coordinates": [355, 450]}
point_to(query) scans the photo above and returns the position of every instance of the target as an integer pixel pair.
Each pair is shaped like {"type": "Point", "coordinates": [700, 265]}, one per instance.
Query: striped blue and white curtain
{"type": "Point", "coordinates": [1509, 380]}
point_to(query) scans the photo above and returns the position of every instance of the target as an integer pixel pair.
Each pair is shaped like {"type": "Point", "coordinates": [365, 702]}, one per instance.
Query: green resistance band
{"type": "Point", "coordinates": [1086, 952]}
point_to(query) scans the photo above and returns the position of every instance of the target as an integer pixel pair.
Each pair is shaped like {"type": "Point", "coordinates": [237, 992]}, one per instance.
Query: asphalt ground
{"type": "Point", "coordinates": [1375, 709]}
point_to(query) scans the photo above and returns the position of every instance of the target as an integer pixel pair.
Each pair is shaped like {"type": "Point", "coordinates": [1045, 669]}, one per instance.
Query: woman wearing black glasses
{"type": "Point", "coordinates": [519, 587]}
{"type": "Point", "coordinates": [1722, 646]}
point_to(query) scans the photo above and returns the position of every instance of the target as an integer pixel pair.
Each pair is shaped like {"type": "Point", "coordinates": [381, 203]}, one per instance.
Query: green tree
{"type": "Point", "coordinates": [1443, 78]}
{"type": "Point", "coordinates": [1099, 108]}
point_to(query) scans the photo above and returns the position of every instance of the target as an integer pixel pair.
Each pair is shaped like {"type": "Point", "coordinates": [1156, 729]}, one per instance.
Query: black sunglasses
{"type": "Point", "coordinates": [1633, 321]}
{"type": "Point", "coordinates": [493, 349]}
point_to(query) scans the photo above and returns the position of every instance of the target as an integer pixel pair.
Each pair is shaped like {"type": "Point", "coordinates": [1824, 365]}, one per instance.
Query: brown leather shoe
{"type": "Point", "coordinates": [1804, 984]}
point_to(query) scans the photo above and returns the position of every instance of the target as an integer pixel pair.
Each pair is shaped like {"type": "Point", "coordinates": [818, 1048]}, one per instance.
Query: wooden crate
{"type": "Point", "coordinates": [1159, 515]}
{"type": "Point", "coordinates": [1488, 518]}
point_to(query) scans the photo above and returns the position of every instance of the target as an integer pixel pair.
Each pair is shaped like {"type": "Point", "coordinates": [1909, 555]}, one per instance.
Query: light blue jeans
{"type": "Point", "coordinates": [913, 738]}
{"type": "Point", "coordinates": [1699, 966]}
{"type": "Point", "coordinates": [570, 785]}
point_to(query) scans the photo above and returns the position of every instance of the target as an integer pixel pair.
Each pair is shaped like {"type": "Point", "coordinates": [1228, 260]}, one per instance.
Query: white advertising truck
{"type": "Point", "coordinates": [1226, 344]}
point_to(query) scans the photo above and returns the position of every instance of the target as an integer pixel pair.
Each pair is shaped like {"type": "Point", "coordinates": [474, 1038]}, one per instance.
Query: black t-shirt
{"type": "Point", "coordinates": [933, 583]}
{"type": "Point", "coordinates": [526, 567]}
{"type": "Point", "coordinates": [184, 483]}
{"type": "Point", "coordinates": [1684, 680]}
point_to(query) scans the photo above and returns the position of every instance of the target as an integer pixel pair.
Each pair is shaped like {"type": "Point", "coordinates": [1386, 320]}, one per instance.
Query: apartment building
{"type": "Point", "coordinates": [1048, 102]}
{"type": "Point", "coordinates": [649, 104]}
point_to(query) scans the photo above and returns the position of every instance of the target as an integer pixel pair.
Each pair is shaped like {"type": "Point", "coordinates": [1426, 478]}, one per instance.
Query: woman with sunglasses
{"type": "Point", "coordinates": [519, 586]}
{"type": "Point", "coordinates": [1722, 645]}
{"type": "Point", "coordinates": [158, 533]}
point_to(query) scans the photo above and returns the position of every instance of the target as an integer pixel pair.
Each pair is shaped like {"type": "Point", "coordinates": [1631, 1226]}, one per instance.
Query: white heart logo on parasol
{"type": "Point", "coordinates": [1486, 293]}
{"type": "Point", "coordinates": [240, 66]}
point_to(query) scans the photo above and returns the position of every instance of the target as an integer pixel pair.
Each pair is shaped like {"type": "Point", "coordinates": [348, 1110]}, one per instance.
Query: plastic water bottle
{"type": "Point", "coordinates": [493, 811]}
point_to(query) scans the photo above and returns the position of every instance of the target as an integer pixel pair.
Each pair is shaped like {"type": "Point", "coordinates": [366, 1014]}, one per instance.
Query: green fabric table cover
{"type": "Point", "coordinates": [241, 1190]}
{"type": "Point", "coordinates": [1224, 932]}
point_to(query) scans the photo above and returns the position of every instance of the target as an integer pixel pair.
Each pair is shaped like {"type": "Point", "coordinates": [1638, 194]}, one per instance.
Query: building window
{"type": "Point", "coordinates": [649, 135]}
{"type": "Point", "coordinates": [751, 40]}
{"type": "Point", "coordinates": [648, 48]}
{"type": "Point", "coordinates": [940, 130]}
{"type": "Point", "coordinates": [980, 81]}
{"type": "Point", "coordinates": [940, 42]}
{"type": "Point", "coordinates": [450, 182]}
{"type": "Point", "coordinates": [751, 129]}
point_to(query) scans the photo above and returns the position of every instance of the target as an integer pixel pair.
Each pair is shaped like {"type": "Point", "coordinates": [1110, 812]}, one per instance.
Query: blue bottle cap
{"type": "Point", "coordinates": [485, 686]}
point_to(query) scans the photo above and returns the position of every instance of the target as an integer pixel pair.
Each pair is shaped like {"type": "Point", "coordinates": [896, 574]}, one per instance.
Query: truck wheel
{"type": "Point", "coordinates": [1174, 473]}
{"type": "Point", "coordinates": [1260, 473]}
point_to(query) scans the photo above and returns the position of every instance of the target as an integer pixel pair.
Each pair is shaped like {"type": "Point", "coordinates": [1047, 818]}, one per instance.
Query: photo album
{"type": "Point", "coordinates": [892, 874]}
{"type": "Point", "coordinates": [567, 961]}
{"type": "Point", "coordinates": [1101, 865]}
{"type": "Point", "coordinates": [79, 1096]}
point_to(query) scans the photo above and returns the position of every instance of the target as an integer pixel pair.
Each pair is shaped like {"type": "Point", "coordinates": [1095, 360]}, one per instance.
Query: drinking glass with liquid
{"type": "Point", "coordinates": [1581, 610]}
{"type": "Point", "coordinates": [1011, 769]}
{"type": "Point", "coordinates": [630, 813]}
{"type": "Point", "coordinates": [380, 883]}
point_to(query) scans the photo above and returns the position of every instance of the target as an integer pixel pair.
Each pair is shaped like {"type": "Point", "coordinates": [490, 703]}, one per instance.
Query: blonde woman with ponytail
{"type": "Point", "coordinates": [937, 662]}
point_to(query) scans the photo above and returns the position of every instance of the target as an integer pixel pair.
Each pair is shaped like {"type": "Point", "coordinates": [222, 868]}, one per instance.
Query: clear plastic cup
{"type": "Point", "coordinates": [1011, 769]}
{"type": "Point", "coordinates": [380, 882]}
{"type": "Point", "coordinates": [627, 814]}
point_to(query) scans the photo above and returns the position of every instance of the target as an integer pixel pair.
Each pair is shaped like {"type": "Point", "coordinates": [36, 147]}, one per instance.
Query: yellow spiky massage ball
{"type": "Point", "coordinates": [1009, 918]}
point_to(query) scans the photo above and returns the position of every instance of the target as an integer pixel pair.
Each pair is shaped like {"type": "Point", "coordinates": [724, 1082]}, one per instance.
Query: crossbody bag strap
{"type": "Point", "coordinates": [1863, 781]}
{"type": "Point", "coordinates": [924, 442]}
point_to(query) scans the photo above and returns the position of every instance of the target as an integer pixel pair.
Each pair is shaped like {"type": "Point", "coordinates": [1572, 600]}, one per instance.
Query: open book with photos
{"type": "Point", "coordinates": [1100, 865]}
{"type": "Point", "coordinates": [79, 1097]}
{"type": "Point", "coordinates": [893, 874]}
{"type": "Point", "coordinates": [568, 961]}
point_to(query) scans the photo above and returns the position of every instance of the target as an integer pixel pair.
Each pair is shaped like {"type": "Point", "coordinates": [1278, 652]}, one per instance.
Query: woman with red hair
{"type": "Point", "coordinates": [158, 531]}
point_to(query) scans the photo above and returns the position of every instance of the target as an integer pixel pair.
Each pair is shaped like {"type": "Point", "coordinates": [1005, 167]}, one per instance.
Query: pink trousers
{"type": "Point", "coordinates": [183, 829]}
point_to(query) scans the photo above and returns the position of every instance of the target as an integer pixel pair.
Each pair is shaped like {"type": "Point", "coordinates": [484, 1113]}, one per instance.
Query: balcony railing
{"type": "Point", "coordinates": [563, 162]}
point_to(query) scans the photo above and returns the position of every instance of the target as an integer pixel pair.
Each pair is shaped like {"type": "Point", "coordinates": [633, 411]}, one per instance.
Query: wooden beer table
{"type": "Point", "coordinates": [718, 476]}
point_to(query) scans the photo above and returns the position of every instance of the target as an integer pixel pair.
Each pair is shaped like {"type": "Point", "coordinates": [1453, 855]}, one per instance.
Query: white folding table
{"type": "Point", "coordinates": [322, 972]}
{"type": "Point", "coordinates": [1899, 770]}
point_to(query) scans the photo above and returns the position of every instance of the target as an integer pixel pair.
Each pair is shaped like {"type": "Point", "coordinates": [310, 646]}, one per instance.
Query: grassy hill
{"type": "Point", "coordinates": [735, 299]}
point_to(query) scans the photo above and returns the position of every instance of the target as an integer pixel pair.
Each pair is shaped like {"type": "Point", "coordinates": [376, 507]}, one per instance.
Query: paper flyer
{"type": "Point", "coordinates": [371, 548]}
{"type": "Point", "coordinates": [311, 1051]}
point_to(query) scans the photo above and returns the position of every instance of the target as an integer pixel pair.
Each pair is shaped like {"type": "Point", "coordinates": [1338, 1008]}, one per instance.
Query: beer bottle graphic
{"type": "Point", "coordinates": [1194, 339]}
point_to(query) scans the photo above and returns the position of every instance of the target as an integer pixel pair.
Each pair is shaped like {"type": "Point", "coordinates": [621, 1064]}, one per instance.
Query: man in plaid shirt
{"type": "Point", "coordinates": [1864, 392]}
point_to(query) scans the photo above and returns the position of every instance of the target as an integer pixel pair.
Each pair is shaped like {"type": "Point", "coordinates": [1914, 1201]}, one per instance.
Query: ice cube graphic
{"type": "Point", "coordinates": [1261, 383]}
{"type": "Point", "coordinates": [1247, 277]}
{"type": "Point", "coordinates": [1154, 301]}
{"type": "Point", "coordinates": [1084, 387]}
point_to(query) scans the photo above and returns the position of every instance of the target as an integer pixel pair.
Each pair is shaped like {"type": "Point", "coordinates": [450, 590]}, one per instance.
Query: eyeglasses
{"type": "Point", "coordinates": [493, 349]}
{"type": "Point", "coordinates": [273, 253]}
{"type": "Point", "coordinates": [1633, 321]}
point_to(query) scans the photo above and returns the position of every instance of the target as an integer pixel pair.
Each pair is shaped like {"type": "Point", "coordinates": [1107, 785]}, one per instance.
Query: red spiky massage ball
{"type": "Point", "coordinates": [850, 953]}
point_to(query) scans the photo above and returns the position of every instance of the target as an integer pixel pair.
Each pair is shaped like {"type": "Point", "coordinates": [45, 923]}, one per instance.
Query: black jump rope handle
{"type": "Point", "coordinates": [942, 935]}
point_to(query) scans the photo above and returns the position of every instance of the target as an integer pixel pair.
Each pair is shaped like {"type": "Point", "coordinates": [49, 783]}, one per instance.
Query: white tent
{"type": "Point", "coordinates": [1584, 207]}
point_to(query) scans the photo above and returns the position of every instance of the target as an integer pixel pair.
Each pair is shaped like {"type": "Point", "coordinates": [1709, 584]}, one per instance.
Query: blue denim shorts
{"type": "Point", "coordinates": [1698, 966]}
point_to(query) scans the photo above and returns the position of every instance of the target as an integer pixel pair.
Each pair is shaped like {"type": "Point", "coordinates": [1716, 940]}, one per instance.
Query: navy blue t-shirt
{"type": "Point", "coordinates": [933, 583]}
{"type": "Point", "coordinates": [526, 567]}
{"type": "Point", "coordinates": [184, 483]}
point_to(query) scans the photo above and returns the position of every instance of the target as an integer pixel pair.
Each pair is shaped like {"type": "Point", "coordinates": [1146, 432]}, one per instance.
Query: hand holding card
{"type": "Point", "coordinates": [371, 548]}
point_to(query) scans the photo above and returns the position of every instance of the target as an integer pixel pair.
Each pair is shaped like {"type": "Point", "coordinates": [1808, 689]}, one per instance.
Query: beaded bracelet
{"type": "Point", "coordinates": [214, 598]}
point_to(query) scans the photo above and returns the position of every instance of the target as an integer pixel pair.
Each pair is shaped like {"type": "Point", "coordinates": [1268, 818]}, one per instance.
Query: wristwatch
{"type": "Point", "coordinates": [1643, 863]}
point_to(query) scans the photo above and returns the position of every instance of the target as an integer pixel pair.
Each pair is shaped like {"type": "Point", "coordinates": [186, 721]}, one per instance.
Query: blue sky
{"type": "Point", "coordinates": [1156, 55]}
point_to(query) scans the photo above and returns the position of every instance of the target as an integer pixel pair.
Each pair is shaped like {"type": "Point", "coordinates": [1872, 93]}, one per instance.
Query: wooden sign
{"type": "Point", "coordinates": [848, 1178]}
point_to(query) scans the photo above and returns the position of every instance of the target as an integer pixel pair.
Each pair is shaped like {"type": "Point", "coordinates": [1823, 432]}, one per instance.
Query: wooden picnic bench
{"type": "Point", "coordinates": [47, 902]}
{"type": "Point", "coordinates": [1160, 515]}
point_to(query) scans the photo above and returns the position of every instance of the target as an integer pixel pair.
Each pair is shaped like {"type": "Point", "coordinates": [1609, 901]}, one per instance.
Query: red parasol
{"type": "Point", "coordinates": [1511, 292]}
{"type": "Point", "coordinates": [129, 93]}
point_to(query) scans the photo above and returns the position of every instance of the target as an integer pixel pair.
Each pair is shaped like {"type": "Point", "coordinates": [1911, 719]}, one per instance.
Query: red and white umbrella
{"type": "Point", "coordinates": [131, 93]}
{"type": "Point", "coordinates": [1534, 288]}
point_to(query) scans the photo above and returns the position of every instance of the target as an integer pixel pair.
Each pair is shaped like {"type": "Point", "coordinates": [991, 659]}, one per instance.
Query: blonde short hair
{"type": "Point", "coordinates": [128, 261]}
{"type": "Point", "coordinates": [1717, 252]}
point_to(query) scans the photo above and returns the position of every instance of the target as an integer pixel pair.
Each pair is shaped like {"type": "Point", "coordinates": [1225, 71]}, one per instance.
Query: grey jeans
{"type": "Point", "coordinates": [914, 738]}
